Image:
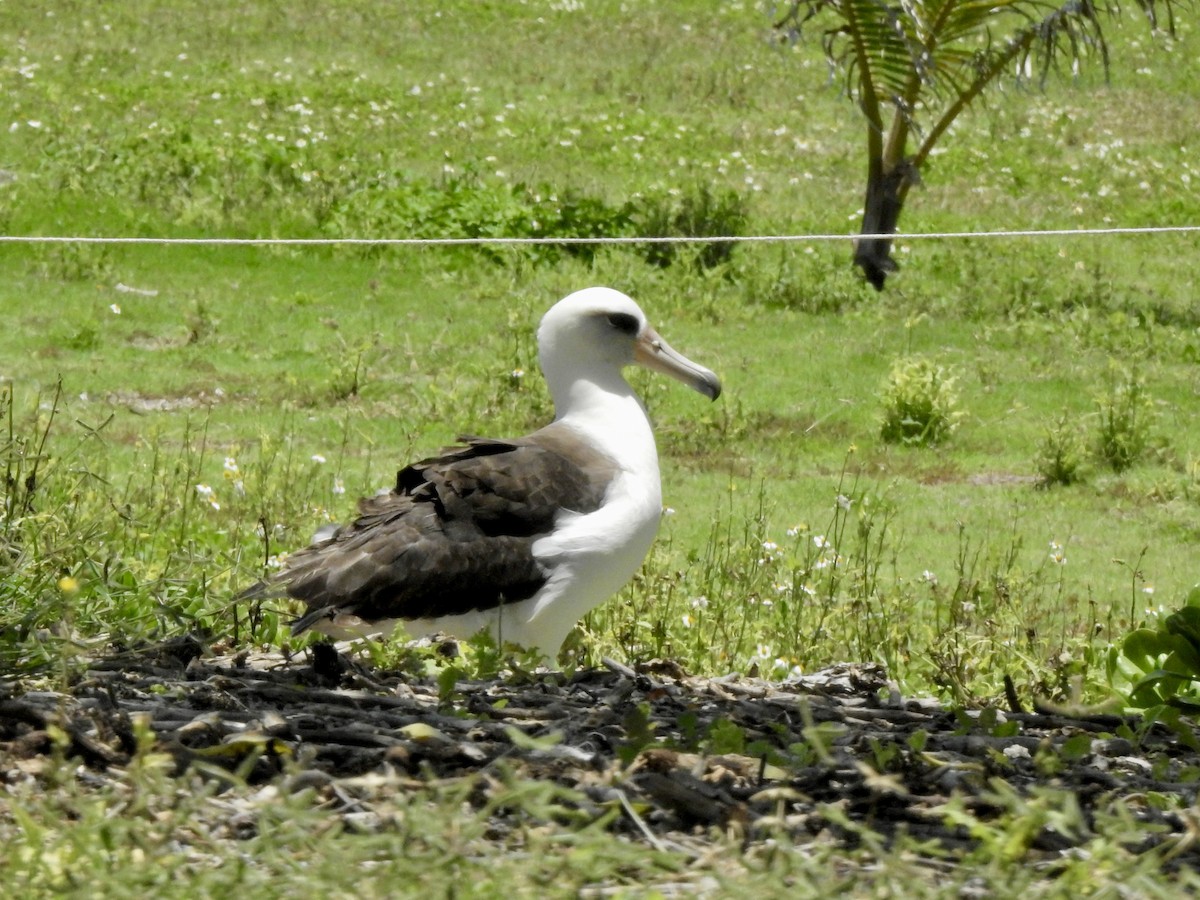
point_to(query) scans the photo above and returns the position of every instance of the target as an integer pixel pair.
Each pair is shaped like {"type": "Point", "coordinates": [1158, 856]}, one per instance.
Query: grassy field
{"type": "Point", "coordinates": [285, 381]}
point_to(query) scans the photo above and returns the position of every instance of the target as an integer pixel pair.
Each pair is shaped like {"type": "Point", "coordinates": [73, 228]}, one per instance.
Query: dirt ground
{"type": "Point", "coordinates": [821, 756]}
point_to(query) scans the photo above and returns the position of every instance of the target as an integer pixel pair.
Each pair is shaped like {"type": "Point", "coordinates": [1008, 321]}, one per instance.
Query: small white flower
{"type": "Point", "coordinates": [700, 602]}
{"type": "Point", "coordinates": [231, 466]}
{"type": "Point", "coordinates": [209, 495]}
{"type": "Point", "coordinates": [820, 542]}
{"type": "Point", "coordinates": [929, 577]}
{"type": "Point", "coordinates": [339, 487]}
{"type": "Point", "coordinates": [688, 622]}
{"type": "Point", "coordinates": [762, 654]}
{"type": "Point", "coordinates": [668, 511]}
{"type": "Point", "coordinates": [116, 310]}
{"type": "Point", "coordinates": [318, 458]}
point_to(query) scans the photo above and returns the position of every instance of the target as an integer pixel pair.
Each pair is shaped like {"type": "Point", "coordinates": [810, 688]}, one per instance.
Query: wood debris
{"type": "Point", "coordinates": [820, 755]}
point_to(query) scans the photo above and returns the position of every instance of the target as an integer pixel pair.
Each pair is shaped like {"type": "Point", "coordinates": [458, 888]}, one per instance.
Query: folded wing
{"type": "Point", "coordinates": [455, 535]}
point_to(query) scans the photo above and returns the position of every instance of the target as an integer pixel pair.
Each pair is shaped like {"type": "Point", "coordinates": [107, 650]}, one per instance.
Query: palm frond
{"type": "Point", "coordinates": [966, 20]}
{"type": "Point", "coordinates": [869, 44]}
{"type": "Point", "coordinates": [881, 54]}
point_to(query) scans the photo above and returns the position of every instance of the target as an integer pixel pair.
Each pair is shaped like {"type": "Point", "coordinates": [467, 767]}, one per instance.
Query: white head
{"type": "Point", "coordinates": [592, 334]}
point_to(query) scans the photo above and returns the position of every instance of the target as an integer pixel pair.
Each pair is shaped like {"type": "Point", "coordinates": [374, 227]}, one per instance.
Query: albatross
{"type": "Point", "coordinates": [520, 537]}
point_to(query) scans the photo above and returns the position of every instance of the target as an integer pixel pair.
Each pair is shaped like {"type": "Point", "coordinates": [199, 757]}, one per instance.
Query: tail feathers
{"type": "Point", "coordinates": [312, 617]}
{"type": "Point", "coordinates": [258, 591]}
{"type": "Point", "coordinates": [262, 590]}
{"type": "Point", "coordinates": [269, 589]}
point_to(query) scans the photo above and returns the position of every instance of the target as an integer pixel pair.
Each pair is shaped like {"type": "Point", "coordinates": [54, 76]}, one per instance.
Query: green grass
{"type": "Point", "coordinates": [353, 119]}
{"type": "Point", "coordinates": [206, 833]}
{"type": "Point", "coordinates": [230, 121]}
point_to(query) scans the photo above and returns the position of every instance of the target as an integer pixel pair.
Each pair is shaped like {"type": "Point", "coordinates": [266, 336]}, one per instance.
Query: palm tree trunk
{"type": "Point", "coordinates": [889, 177]}
{"type": "Point", "coordinates": [886, 188]}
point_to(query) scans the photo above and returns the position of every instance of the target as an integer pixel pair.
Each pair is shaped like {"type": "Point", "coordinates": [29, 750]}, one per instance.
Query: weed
{"type": "Point", "coordinates": [84, 338]}
{"type": "Point", "coordinates": [1126, 417]}
{"type": "Point", "coordinates": [201, 324]}
{"type": "Point", "coordinates": [73, 262]}
{"type": "Point", "coordinates": [46, 540]}
{"type": "Point", "coordinates": [349, 364]}
{"type": "Point", "coordinates": [919, 402]}
{"type": "Point", "coordinates": [1061, 456]}
{"type": "Point", "coordinates": [799, 281]}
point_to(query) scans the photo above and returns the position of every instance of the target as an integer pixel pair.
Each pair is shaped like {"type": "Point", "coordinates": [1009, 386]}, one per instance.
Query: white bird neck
{"type": "Point", "coordinates": [606, 410]}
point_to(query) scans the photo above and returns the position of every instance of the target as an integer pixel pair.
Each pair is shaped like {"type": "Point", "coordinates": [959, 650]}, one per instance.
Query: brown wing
{"type": "Point", "coordinates": [455, 535]}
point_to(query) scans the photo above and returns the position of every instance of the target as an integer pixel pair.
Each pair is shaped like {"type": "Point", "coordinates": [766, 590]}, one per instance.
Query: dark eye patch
{"type": "Point", "coordinates": [624, 322]}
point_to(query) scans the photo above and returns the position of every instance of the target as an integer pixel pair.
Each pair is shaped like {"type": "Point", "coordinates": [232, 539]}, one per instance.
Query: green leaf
{"type": "Point", "coordinates": [1145, 647]}
{"type": "Point", "coordinates": [523, 741]}
{"type": "Point", "coordinates": [1186, 623]}
{"type": "Point", "coordinates": [422, 732]}
{"type": "Point", "coordinates": [447, 681]}
{"type": "Point", "coordinates": [1077, 747]}
{"type": "Point", "coordinates": [1158, 687]}
{"type": "Point", "coordinates": [639, 732]}
{"type": "Point", "coordinates": [243, 745]}
{"type": "Point", "coordinates": [725, 736]}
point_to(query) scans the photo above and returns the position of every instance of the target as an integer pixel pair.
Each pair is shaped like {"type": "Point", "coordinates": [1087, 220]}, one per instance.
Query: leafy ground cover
{"type": "Point", "coordinates": [176, 417]}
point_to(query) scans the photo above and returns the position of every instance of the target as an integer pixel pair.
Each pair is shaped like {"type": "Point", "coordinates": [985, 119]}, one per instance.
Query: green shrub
{"type": "Point", "coordinates": [397, 204]}
{"type": "Point", "coordinates": [699, 213]}
{"type": "Point", "coordinates": [919, 402]}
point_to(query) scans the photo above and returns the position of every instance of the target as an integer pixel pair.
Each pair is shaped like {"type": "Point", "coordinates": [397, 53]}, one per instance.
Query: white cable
{"type": "Point", "coordinates": [475, 241]}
